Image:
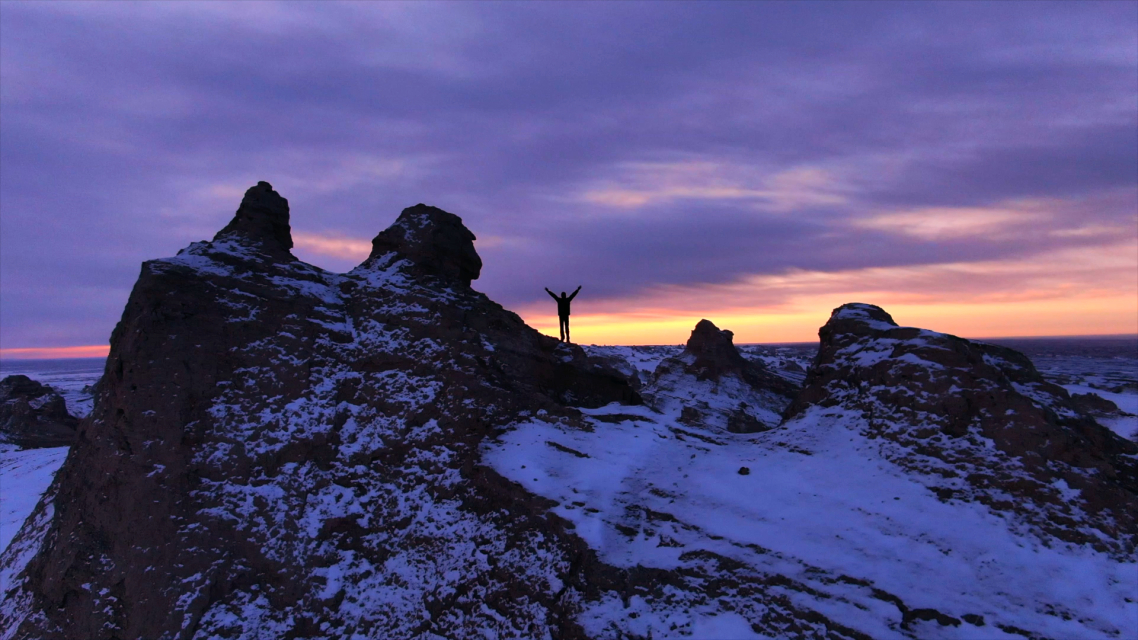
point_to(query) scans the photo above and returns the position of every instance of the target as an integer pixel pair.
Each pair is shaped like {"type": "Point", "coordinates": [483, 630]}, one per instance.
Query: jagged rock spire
{"type": "Point", "coordinates": [434, 241]}
{"type": "Point", "coordinates": [261, 221]}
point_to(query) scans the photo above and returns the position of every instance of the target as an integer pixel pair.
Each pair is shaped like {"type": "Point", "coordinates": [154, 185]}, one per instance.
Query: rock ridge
{"type": "Point", "coordinates": [979, 423]}
{"type": "Point", "coordinates": [713, 385]}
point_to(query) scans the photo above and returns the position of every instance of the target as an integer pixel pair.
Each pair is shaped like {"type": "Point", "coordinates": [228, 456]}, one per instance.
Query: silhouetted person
{"type": "Point", "coordinates": [563, 311]}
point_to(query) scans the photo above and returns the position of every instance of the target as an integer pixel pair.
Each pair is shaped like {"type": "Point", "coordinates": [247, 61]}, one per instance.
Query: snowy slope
{"type": "Point", "coordinates": [24, 476]}
{"type": "Point", "coordinates": [1125, 425]}
{"type": "Point", "coordinates": [820, 513]}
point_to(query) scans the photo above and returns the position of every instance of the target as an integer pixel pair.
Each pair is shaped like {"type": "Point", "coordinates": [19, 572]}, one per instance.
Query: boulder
{"type": "Point", "coordinates": [34, 415]}
{"type": "Point", "coordinates": [1096, 405]}
{"type": "Point", "coordinates": [433, 242]}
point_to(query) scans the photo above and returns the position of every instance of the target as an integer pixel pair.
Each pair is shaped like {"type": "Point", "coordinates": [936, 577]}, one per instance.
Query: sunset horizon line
{"type": "Point", "coordinates": [102, 351]}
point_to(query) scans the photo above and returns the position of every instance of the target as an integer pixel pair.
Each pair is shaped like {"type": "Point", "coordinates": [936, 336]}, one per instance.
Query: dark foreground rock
{"type": "Point", "coordinates": [34, 415]}
{"type": "Point", "coordinates": [977, 422]}
{"type": "Point", "coordinates": [279, 451]}
{"type": "Point", "coordinates": [713, 385]}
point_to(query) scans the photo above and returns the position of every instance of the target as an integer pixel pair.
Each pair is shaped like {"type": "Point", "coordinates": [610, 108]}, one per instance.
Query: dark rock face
{"type": "Point", "coordinates": [714, 352]}
{"type": "Point", "coordinates": [715, 356]}
{"type": "Point", "coordinates": [978, 422]}
{"type": "Point", "coordinates": [261, 222]}
{"type": "Point", "coordinates": [274, 445]}
{"type": "Point", "coordinates": [711, 384]}
{"type": "Point", "coordinates": [434, 242]}
{"type": "Point", "coordinates": [33, 415]}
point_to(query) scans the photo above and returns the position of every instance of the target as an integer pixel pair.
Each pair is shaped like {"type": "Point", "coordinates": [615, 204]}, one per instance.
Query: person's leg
{"type": "Point", "coordinates": [561, 326]}
{"type": "Point", "coordinates": [567, 329]}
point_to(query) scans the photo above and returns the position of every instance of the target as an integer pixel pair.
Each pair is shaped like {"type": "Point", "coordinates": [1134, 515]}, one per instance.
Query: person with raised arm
{"type": "Point", "coordinates": [563, 310]}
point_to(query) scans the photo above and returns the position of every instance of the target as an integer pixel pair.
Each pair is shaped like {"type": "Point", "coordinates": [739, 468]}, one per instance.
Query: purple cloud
{"type": "Point", "coordinates": [621, 145]}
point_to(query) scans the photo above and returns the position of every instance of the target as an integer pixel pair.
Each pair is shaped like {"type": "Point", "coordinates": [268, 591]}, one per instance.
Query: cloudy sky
{"type": "Point", "coordinates": [971, 167]}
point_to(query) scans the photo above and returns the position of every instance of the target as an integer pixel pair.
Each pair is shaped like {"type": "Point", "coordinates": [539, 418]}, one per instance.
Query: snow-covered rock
{"type": "Point", "coordinates": [33, 415]}
{"type": "Point", "coordinates": [279, 451]}
{"type": "Point", "coordinates": [712, 385]}
{"type": "Point", "coordinates": [976, 422]}
{"type": "Point", "coordinates": [877, 509]}
{"type": "Point", "coordinates": [26, 474]}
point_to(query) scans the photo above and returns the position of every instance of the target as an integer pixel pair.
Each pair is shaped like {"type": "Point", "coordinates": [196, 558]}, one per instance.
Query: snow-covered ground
{"type": "Point", "coordinates": [24, 476]}
{"type": "Point", "coordinates": [815, 502]}
{"type": "Point", "coordinates": [644, 358]}
{"type": "Point", "coordinates": [1125, 426]}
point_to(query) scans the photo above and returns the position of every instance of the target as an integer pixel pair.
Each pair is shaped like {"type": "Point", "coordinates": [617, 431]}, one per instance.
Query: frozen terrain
{"type": "Point", "coordinates": [1106, 367]}
{"type": "Point", "coordinates": [852, 534]}
{"type": "Point", "coordinates": [25, 475]}
{"type": "Point", "coordinates": [816, 505]}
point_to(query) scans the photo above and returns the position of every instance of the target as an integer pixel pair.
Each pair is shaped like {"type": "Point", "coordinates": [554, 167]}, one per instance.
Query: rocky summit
{"type": "Point", "coordinates": [33, 415]}
{"type": "Point", "coordinates": [277, 451]}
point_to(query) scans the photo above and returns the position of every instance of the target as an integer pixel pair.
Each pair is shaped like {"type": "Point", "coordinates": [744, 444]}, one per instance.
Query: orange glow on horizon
{"type": "Point", "coordinates": [1066, 292]}
{"type": "Point", "coordinates": [46, 353]}
{"type": "Point", "coordinates": [1062, 293]}
{"type": "Point", "coordinates": [1094, 316]}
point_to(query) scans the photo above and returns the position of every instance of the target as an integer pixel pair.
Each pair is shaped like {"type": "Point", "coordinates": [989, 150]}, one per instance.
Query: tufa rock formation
{"type": "Point", "coordinates": [280, 451]}
{"type": "Point", "coordinates": [977, 422]}
{"type": "Point", "coordinates": [432, 240]}
{"type": "Point", "coordinates": [261, 223]}
{"type": "Point", "coordinates": [712, 384]}
{"type": "Point", "coordinates": [34, 415]}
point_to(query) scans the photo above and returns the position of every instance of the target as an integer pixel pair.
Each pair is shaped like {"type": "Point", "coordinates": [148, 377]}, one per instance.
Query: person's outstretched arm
{"type": "Point", "coordinates": [575, 293]}
{"type": "Point", "coordinates": [553, 295]}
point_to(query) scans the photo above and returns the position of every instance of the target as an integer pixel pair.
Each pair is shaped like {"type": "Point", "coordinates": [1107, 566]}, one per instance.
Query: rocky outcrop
{"type": "Point", "coordinates": [34, 415]}
{"type": "Point", "coordinates": [711, 384]}
{"type": "Point", "coordinates": [977, 422]}
{"type": "Point", "coordinates": [433, 243]}
{"type": "Point", "coordinates": [1097, 406]}
{"type": "Point", "coordinates": [281, 451]}
{"type": "Point", "coordinates": [261, 223]}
